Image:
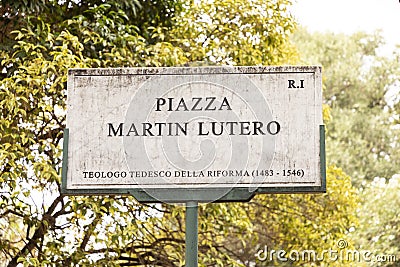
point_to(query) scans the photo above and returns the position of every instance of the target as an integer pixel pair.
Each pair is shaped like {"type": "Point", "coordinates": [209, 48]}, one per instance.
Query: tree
{"type": "Point", "coordinates": [258, 30]}
{"type": "Point", "coordinates": [361, 137]}
{"type": "Point", "coordinates": [42, 40]}
{"type": "Point", "coordinates": [379, 226]}
{"type": "Point", "coordinates": [361, 89]}
{"type": "Point", "coordinates": [35, 60]}
{"type": "Point", "coordinates": [298, 222]}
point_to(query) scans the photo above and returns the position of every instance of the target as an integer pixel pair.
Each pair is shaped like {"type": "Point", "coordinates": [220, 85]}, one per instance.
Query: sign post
{"type": "Point", "coordinates": [191, 235]}
{"type": "Point", "coordinates": [194, 135]}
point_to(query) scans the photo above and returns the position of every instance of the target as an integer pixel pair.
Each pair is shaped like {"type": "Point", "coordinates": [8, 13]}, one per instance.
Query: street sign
{"type": "Point", "coordinates": [206, 130]}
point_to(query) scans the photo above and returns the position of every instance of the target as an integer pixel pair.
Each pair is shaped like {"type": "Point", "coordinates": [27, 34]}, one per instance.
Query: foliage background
{"type": "Point", "coordinates": [41, 40]}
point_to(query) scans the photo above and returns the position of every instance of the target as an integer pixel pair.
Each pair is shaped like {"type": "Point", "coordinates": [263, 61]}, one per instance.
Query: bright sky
{"type": "Point", "coordinates": [350, 15]}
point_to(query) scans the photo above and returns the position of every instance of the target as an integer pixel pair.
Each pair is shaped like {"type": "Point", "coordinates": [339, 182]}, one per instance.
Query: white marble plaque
{"type": "Point", "coordinates": [208, 127]}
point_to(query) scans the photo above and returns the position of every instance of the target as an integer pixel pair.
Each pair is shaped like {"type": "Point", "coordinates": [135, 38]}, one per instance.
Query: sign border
{"type": "Point", "coordinates": [180, 195]}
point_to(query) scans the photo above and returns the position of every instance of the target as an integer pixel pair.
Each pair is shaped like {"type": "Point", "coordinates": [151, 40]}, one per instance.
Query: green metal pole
{"type": "Point", "coordinates": [191, 234]}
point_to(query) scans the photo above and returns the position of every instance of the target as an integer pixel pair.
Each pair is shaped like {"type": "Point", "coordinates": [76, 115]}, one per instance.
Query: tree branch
{"type": "Point", "coordinates": [48, 220]}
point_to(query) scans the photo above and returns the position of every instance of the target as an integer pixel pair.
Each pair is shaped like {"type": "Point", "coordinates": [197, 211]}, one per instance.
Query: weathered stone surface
{"type": "Point", "coordinates": [194, 127]}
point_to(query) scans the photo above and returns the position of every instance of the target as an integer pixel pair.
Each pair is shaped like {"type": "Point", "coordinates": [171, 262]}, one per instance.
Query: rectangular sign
{"type": "Point", "coordinates": [207, 127]}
